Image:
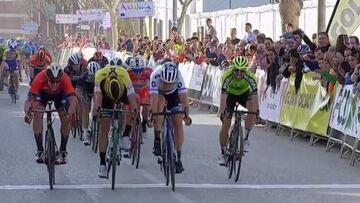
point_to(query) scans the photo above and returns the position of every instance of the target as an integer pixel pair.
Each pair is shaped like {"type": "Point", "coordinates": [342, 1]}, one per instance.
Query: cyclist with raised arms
{"type": "Point", "coordinates": [112, 86]}
{"type": "Point", "coordinates": [238, 86]}
{"type": "Point", "coordinates": [167, 87]}
{"type": "Point", "coordinates": [51, 85]}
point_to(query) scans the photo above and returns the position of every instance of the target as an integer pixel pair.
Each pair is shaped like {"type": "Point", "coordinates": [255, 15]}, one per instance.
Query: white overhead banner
{"type": "Point", "coordinates": [136, 9]}
{"type": "Point", "coordinates": [90, 15]}
{"type": "Point", "coordinates": [66, 19]}
{"type": "Point", "coordinates": [29, 26]}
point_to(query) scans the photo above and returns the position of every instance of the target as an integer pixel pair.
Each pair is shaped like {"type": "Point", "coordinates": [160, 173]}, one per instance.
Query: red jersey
{"type": "Point", "coordinates": [35, 62]}
{"type": "Point", "coordinates": [140, 80]}
{"type": "Point", "coordinates": [40, 83]}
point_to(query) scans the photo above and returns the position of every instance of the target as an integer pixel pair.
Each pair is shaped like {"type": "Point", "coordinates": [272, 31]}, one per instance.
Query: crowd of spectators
{"type": "Point", "coordinates": [292, 53]}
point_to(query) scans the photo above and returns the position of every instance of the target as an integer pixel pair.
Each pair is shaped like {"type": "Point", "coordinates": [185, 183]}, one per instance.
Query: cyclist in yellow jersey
{"type": "Point", "coordinates": [112, 86]}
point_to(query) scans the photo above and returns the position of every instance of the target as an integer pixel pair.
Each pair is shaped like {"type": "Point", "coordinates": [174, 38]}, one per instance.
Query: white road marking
{"type": "Point", "coordinates": [184, 185]}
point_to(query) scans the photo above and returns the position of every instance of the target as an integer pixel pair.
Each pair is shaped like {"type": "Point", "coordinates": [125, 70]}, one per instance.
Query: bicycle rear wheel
{"type": "Point", "coordinates": [138, 147]}
{"type": "Point", "coordinates": [239, 152]}
{"type": "Point", "coordinates": [165, 163]}
{"type": "Point", "coordinates": [229, 154]}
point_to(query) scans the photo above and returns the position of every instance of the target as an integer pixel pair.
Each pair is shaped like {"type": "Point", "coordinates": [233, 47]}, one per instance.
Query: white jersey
{"type": "Point", "coordinates": [158, 86]}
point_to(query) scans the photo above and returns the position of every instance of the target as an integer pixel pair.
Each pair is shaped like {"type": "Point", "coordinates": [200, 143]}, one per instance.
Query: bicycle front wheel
{"type": "Point", "coordinates": [239, 152]}
{"type": "Point", "coordinates": [50, 156]}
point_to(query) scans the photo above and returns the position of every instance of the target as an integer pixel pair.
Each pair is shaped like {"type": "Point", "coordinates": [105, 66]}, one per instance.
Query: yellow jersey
{"type": "Point", "coordinates": [121, 74]}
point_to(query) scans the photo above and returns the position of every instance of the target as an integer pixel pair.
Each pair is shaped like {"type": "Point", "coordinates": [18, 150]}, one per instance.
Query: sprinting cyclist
{"type": "Point", "coordinates": [238, 86]}
{"type": "Point", "coordinates": [167, 87]}
{"type": "Point", "coordinates": [85, 90]}
{"type": "Point", "coordinates": [112, 86]}
{"type": "Point", "coordinates": [51, 85]}
{"type": "Point", "coordinates": [140, 77]}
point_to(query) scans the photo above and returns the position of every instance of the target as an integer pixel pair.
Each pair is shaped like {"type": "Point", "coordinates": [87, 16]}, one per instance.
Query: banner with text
{"type": "Point", "coordinates": [345, 116]}
{"type": "Point", "coordinates": [345, 19]}
{"type": "Point", "coordinates": [309, 108]}
{"type": "Point", "coordinates": [66, 19]}
{"type": "Point", "coordinates": [90, 15]}
{"type": "Point", "coordinates": [270, 105]}
{"type": "Point", "coordinates": [211, 90]}
{"type": "Point", "coordinates": [136, 9]}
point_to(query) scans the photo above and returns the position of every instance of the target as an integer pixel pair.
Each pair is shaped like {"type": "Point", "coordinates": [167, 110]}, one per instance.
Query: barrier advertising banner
{"type": "Point", "coordinates": [308, 109]}
{"type": "Point", "coordinates": [270, 105]}
{"type": "Point", "coordinates": [186, 70]}
{"type": "Point", "coordinates": [211, 90]}
{"type": "Point", "coordinates": [197, 76]}
{"type": "Point", "coordinates": [345, 116]}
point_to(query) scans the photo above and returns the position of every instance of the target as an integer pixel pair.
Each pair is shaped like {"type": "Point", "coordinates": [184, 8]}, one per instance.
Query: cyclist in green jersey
{"type": "Point", "coordinates": [238, 85]}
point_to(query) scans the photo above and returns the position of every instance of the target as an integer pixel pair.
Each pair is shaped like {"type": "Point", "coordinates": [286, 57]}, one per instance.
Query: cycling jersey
{"type": "Point", "coordinates": [103, 62]}
{"type": "Point", "coordinates": [73, 74]}
{"type": "Point", "coordinates": [120, 73]}
{"type": "Point", "coordinates": [157, 85]}
{"type": "Point", "coordinates": [41, 84]}
{"type": "Point", "coordinates": [141, 83]}
{"type": "Point", "coordinates": [36, 63]}
{"type": "Point", "coordinates": [86, 85]}
{"type": "Point", "coordinates": [229, 84]}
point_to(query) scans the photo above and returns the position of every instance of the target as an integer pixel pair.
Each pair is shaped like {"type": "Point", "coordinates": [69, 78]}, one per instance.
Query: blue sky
{"type": "Point", "coordinates": [214, 5]}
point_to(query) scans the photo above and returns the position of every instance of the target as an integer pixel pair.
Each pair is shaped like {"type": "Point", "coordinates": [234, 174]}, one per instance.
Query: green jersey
{"type": "Point", "coordinates": [229, 84]}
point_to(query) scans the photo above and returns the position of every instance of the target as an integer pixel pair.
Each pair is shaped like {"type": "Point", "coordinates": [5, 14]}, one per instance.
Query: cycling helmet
{"type": "Point", "coordinates": [93, 67]}
{"type": "Point", "coordinates": [116, 61]}
{"type": "Point", "coordinates": [54, 72]}
{"type": "Point", "coordinates": [113, 88]}
{"type": "Point", "coordinates": [303, 49]}
{"type": "Point", "coordinates": [169, 72]}
{"type": "Point", "coordinates": [129, 60]}
{"type": "Point", "coordinates": [240, 63]}
{"type": "Point", "coordinates": [41, 47]}
{"type": "Point", "coordinates": [74, 59]}
{"type": "Point", "coordinates": [137, 64]}
{"type": "Point", "coordinates": [41, 55]}
{"type": "Point", "coordinates": [98, 55]}
{"type": "Point", "coordinates": [13, 46]}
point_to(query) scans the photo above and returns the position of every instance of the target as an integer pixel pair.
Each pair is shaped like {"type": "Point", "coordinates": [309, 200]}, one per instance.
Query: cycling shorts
{"type": "Point", "coordinates": [60, 100]}
{"type": "Point", "coordinates": [232, 100]}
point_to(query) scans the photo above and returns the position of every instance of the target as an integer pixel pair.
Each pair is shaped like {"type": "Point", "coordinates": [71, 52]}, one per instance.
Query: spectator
{"type": "Point", "coordinates": [210, 28]}
{"type": "Point", "coordinates": [323, 42]}
{"type": "Point", "coordinates": [269, 44]}
{"type": "Point", "coordinates": [354, 43]}
{"type": "Point", "coordinates": [289, 27]}
{"type": "Point", "coordinates": [260, 38]}
{"type": "Point", "coordinates": [105, 44]}
{"type": "Point", "coordinates": [353, 61]}
{"type": "Point", "coordinates": [296, 66]}
{"type": "Point", "coordinates": [233, 38]}
{"type": "Point", "coordinates": [273, 69]}
{"type": "Point", "coordinates": [249, 35]}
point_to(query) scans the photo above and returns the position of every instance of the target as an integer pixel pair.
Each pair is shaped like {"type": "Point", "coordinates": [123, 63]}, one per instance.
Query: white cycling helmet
{"type": "Point", "coordinates": [74, 59]}
{"type": "Point", "coordinates": [170, 72]}
{"type": "Point", "coordinates": [54, 72]}
{"type": "Point", "coordinates": [116, 61]}
{"type": "Point", "coordinates": [93, 67]}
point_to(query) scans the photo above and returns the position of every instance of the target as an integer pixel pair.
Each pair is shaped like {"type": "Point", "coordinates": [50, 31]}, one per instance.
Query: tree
{"type": "Point", "coordinates": [290, 11]}
{"type": "Point", "coordinates": [185, 4]}
{"type": "Point", "coordinates": [111, 6]}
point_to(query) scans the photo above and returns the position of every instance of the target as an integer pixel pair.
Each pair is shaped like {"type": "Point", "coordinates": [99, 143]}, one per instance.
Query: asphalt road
{"type": "Point", "coordinates": [274, 170]}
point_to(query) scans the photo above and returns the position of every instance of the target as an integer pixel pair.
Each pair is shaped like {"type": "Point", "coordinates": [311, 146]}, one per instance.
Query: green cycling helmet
{"type": "Point", "coordinates": [240, 63]}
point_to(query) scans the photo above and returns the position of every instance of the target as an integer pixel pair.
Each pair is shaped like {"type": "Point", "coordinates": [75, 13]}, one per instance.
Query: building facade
{"type": "Point", "coordinates": [12, 16]}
